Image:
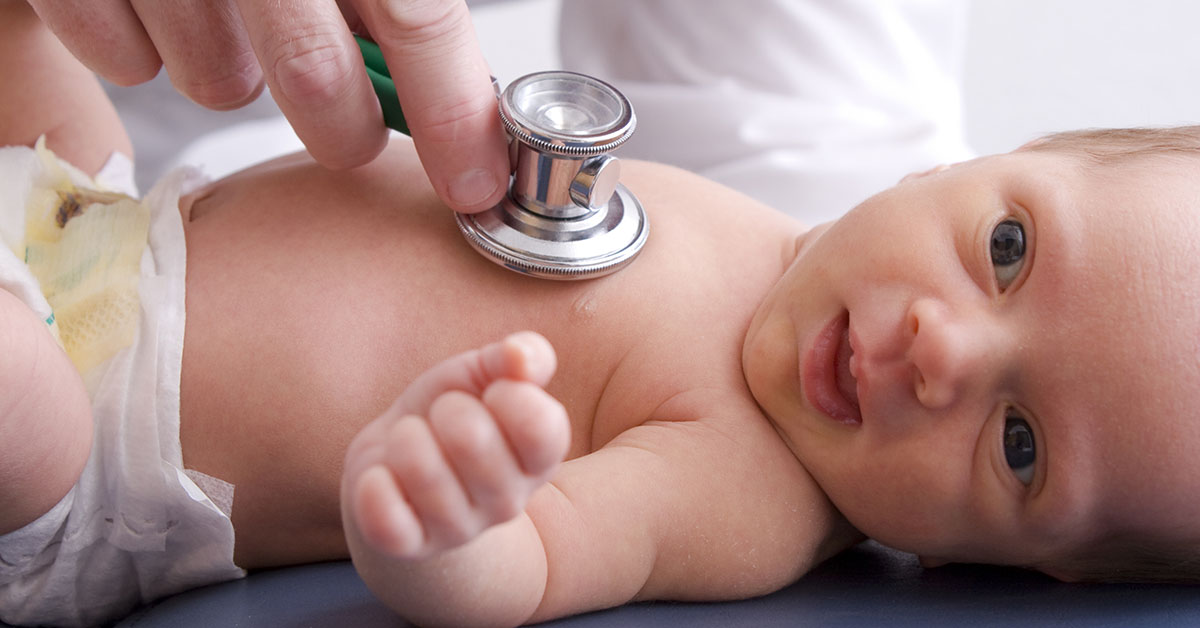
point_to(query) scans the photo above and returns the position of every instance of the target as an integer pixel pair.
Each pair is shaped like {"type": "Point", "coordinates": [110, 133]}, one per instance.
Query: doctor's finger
{"type": "Point", "coordinates": [316, 75]}
{"type": "Point", "coordinates": [205, 49]}
{"type": "Point", "coordinates": [445, 89]}
{"type": "Point", "coordinates": [106, 35]}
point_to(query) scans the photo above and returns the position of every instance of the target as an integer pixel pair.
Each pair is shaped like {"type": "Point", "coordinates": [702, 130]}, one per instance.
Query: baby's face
{"type": "Point", "coordinates": [999, 362]}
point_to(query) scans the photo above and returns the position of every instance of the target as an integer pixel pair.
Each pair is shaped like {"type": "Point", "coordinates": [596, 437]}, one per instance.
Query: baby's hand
{"type": "Point", "coordinates": [461, 450]}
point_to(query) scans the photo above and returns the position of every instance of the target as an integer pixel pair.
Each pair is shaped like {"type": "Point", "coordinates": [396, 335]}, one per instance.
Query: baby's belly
{"type": "Point", "coordinates": [312, 300]}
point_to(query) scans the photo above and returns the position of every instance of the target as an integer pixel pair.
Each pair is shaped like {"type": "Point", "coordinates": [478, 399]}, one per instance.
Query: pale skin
{"type": "Point", "coordinates": [1089, 339]}
{"type": "Point", "coordinates": [670, 436]}
{"type": "Point", "coordinates": [654, 438]}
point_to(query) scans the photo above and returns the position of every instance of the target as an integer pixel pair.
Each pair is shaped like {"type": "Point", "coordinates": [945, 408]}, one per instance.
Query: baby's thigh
{"type": "Point", "coordinates": [45, 418]}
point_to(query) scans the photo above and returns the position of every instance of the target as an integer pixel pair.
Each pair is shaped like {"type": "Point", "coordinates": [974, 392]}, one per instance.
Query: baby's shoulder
{"type": "Point", "coordinates": [672, 187]}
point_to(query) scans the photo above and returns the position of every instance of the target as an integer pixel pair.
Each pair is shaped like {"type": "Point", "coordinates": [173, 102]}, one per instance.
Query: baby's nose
{"type": "Point", "coordinates": [948, 350]}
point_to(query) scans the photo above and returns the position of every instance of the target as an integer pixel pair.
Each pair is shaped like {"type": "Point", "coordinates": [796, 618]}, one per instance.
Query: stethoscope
{"type": "Point", "coordinates": [565, 216]}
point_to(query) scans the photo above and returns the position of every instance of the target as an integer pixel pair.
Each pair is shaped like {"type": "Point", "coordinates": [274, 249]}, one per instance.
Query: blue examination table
{"type": "Point", "coordinates": [866, 586]}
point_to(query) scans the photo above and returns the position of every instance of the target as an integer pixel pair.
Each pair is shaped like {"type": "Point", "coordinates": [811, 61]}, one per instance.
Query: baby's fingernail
{"type": "Point", "coordinates": [472, 187]}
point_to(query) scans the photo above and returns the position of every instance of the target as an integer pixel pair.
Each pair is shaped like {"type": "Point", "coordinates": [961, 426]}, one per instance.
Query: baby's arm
{"type": "Point", "coordinates": [46, 91]}
{"type": "Point", "coordinates": [45, 417]}
{"type": "Point", "coordinates": [460, 452]}
{"type": "Point", "coordinates": [704, 510]}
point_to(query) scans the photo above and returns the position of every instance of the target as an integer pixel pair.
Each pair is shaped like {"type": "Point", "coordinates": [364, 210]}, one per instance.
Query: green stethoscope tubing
{"type": "Point", "coordinates": [381, 80]}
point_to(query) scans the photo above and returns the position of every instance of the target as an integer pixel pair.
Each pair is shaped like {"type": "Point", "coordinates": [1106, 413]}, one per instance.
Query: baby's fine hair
{"type": "Point", "coordinates": [1130, 559]}
{"type": "Point", "coordinates": [1107, 147]}
{"type": "Point", "coordinates": [1173, 561]}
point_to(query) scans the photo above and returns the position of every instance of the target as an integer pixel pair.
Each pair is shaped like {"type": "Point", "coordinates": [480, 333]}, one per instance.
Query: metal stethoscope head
{"type": "Point", "coordinates": [565, 216]}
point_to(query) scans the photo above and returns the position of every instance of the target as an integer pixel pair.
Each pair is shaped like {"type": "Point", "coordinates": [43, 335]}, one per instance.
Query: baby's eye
{"type": "Point", "coordinates": [1008, 251]}
{"type": "Point", "coordinates": [1020, 452]}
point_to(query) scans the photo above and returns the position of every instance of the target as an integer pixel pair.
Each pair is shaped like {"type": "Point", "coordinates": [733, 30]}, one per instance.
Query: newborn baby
{"type": "Point", "coordinates": [964, 366]}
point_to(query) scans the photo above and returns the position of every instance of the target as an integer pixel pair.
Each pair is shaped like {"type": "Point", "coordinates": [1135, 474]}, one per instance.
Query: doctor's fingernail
{"type": "Point", "coordinates": [473, 187]}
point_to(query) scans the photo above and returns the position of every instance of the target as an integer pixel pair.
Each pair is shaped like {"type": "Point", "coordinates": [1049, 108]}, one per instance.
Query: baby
{"type": "Point", "coordinates": [967, 366]}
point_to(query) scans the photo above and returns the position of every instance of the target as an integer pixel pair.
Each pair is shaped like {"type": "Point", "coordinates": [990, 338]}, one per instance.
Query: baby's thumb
{"type": "Point", "coordinates": [525, 356]}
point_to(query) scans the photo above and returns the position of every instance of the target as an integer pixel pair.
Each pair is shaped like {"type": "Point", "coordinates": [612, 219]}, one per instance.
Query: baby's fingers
{"type": "Point", "coordinates": [428, 483]}
{"type": "Point", "coordinates": [381, 514]}
{"type": "Point", "coordinates": [481, 457]}
{"type": "Point", "coordinates": [403, 495]}
{"type": "Point", "coordinates": [534, 423]}
{"type": "Point", "coordinates": [525, 356]}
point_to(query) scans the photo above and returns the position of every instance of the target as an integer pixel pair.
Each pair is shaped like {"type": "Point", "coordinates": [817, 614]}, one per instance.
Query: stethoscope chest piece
{"type": "Point", "coordinates": [565, 216]}
{"type": "Point", "coordinates": [554, 248]}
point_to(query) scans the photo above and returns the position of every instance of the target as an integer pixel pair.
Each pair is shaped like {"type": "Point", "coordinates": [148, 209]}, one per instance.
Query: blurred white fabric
{"type": "Point", "coordinates": [809, 106]}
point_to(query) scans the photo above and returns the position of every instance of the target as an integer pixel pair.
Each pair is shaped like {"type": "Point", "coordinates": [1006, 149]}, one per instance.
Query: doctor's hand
{"type": "Point", "coordinates": [219, 52]}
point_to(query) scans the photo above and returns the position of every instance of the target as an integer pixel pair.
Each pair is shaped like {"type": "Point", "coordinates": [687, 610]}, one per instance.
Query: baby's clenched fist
{"type": "Point", "coordinates": [461, 450]}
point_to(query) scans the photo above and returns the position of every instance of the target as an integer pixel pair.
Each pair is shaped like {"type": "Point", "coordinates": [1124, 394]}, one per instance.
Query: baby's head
{"type": "Point", "coordinates": [1000, 361]}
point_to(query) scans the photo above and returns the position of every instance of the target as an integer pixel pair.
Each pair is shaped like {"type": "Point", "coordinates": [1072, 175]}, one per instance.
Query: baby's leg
{"type": "Point", "coordinates": [45, 417]}
{"type": "Point", "coordinates": [461, 450]}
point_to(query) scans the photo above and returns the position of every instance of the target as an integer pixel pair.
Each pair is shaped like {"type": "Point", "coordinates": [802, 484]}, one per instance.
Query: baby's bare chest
{"type": "Point", "coordinates": [312, 303]}
{"type": "Point", "coordinates": [301, 330]}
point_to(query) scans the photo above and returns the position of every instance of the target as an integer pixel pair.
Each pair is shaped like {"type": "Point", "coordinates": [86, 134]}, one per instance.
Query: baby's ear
{"type": "Point", "coordinates": [925, 173]}
{"type": "Point", "coordinates": [929, 562]}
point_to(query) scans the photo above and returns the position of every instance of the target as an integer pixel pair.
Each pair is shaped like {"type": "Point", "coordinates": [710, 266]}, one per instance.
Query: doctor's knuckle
{"type": "Point", "coordinates": [310, 67]}
{"type": "Point", "coordinates": [450, 122]}
{"type": "Point", "coordinates": [228, 86]}
{"type": "Point", "coordinates": [130, 69]}
{"type": "Point", "coordinates": [418, 20]}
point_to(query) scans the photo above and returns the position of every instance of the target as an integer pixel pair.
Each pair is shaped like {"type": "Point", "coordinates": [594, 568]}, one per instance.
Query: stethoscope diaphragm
{"type": "Point", "coordinates": [592, 245]}
{"type": "Point", "coordinates": [565, 215]}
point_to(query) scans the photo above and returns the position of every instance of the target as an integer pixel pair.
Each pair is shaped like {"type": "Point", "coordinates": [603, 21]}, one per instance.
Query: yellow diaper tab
{"type": "Point", "coordinates": [84, 246]}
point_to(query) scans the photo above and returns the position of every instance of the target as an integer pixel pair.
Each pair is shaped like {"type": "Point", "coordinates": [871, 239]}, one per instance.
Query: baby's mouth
{"type": "Point", "coordinates": [827, 380]}
{"type": "Point", "coordinates": [846, 382]}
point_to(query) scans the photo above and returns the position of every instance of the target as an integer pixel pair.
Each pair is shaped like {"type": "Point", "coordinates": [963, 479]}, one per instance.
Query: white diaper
{"type": "Point", "coordinates": [136, 526]}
